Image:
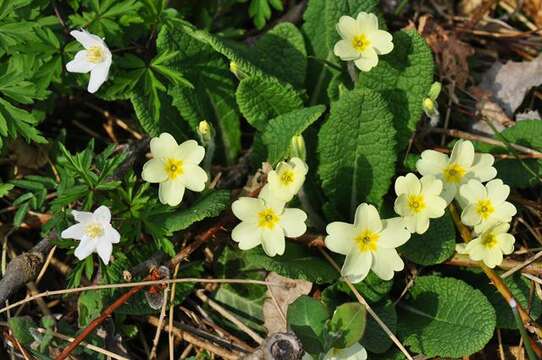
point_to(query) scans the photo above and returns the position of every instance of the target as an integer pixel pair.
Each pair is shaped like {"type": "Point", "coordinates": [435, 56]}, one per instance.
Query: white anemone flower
{"type": "Point", "coordinates": [265, 222]}
{"type": "Point", "coordinates": [362, 41]}
{"type": "Point", "coordinates": [490, 245]}
{"type": "Point", "coordinates": [175, 167]}
{"type": "Point", "coordinates": [418, 201]}
{"type": "Point", "coordinates": [285, 181]}
{"type": "Point", "coordinates": [458, 169]}
{"type": "Point", "coordinates": [96, 59]}
{"type": "Point", "coordinates": [95, 233]}
{"type": "Point", "coordinates": [486, 205]}
{"type": "Point", "coordinates": [369, 244]}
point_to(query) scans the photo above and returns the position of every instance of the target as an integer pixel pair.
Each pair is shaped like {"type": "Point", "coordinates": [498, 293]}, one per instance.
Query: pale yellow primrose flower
{"type": "Point", "coordinates": [418, 201]}
{"type": "Point", "coordinates": [96, 59]}
{"type": "Point", "coordinates": [175, 167]}
{"type": "Point", "coordinates": [362, 42]}
{"type": "Point", "coordinates": [285, 181]}
{"type": "Point", "coordinates": [95, 233]}
{"type": "Point", "coordinates": [458, 169]}
{"type": "Point", "coordinates": [354, 352]}
{"type": "Point", "coordinates": [486, 205]}
{"type": "Point", "coordinates": [265, 221]}
{"type": "Point", "coordinates": [369, 244]}
{"type": "Point", "coordinates": [490, 245]}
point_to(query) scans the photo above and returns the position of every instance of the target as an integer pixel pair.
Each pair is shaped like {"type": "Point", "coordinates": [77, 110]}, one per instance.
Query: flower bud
{"type": "Point", "coordinates": [297, 147]}
{"type": "Point", "coordinates": [205, 132]}
{"type": "Point", "coordinates": [234, 68]}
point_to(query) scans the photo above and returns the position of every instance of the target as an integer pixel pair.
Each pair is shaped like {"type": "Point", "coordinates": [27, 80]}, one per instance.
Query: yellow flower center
{"type": "Point", "coordinates": [360, 42]}
{"type": "Point", "coordinates": [94, 230]}
{"type": "Point", "coordinates": [267, 219]}
{"type": "Point", "coordinates": [454, 173]}
{"type": "Point", "coordinates": [367, 240]}
{"type": "Point", "coordinates": [95, 54]}
{"type": "Point", "coordinates": [174, 168]}
{"type": "Point", "coordinates": [485, 208]}
{"type": "Point", "coordinates": [489, 241]}
{"type": "Point", "coordinates": [287, 177]}
{"type": "Point", "coordinates": [416, 203]}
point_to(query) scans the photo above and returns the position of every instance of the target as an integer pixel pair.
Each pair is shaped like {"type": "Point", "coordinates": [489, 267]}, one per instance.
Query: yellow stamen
{"type": "Point", "coordinates": [174, 168]}
{"type": "Point", "coordinates": [268, 219]}
{"type": "Point", "coordinates": [454, 173]}
{"type": "Point", "coordinates": [416, 203]}
{"type": "Point", "coordinates": [94, 230]}
{"type": "Point", "coordinates": [367, 240]}
{"type": "Point", "coordinates": [360, 42]}
{"type": "Point", "coordinates": [287, 177]}
{"type": "Point", "coordinates": [95, 54]}
{"type": "Point", "coordinates": [485, 208]}
{"type": "Point", "coordinates": [489, 241]}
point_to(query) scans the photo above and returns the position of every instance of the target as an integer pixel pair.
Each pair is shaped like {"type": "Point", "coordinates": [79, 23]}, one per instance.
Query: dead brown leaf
{"type": "Point", "coordinates": [31, 156]}
{"type": "Point", "coordinates": [451, 53]}
{"type": "Point", "coordinates": [284, 295]}
{"type": "Point", "coordinates": [488, 110]}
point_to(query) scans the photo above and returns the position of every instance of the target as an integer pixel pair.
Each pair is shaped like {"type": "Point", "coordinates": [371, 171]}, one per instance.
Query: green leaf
{"type": "Point", "coordinates": [296, 263]}
{"type": "Point", "coordinates": [512, 171]}
{"type": "Point", "coordinates": [348, 322]}
{"type": "Point", "coordinates": [375, 339]}
{"type": "Point", "coordinates": [404, 78]}
{"type": "Point", "coordinates": [260, 11]}
{"type": "Point", "coordinates": [5, 189]}
{"type": "Point", "coordinates": [21, 326]}
{"type": "Point", "coordinates": [306, 317]}
{"type": "Point", "coordinates": [89, 306]}
{"type": "Point", "coordinates": [445, 317]}
{"type": "Point", "coordinates": [209, 205]}
{"type": "Point", "coordinates": [320, 21]}
{"type": "Point", "coordinates": [261, 99]}
{"type": "Point", "coordinates": [212, 97]}
{"type": "Point", "coordinates": [434, 246]}
{"type": "Point", "coordinates": [357, 151]}
{"type": "Point", "coordinates": [280, 130]}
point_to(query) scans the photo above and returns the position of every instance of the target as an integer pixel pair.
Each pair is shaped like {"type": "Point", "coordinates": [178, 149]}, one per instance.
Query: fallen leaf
{"type": "Point", "coordinates": [510, 82]}
{"type": "Point", "coordinates": [31, 156]}
{"type": "Point", "coordinates": [284, 296]}
{"type": "Point", "coordinates": [488, 111]}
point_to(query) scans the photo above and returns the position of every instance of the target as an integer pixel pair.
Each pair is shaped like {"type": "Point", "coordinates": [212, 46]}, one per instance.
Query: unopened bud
{"type": "Point", "coordinates": [297, 147]}
{"type": "Point", "coordinates": [428, 107]}
{"type": "Point", "coordinates": [234, 68]}
{"type": "Point", "coordinates": [434, 91]}
{"type": "Point", "coordinates": [205, 132]}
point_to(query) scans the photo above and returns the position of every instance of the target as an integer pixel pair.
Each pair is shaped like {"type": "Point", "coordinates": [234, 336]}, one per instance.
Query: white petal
{"type": "Point", "coordinates": [386, 262]}
{"type": "Point", "coordinates": [368, 22]}
{"type": "Point", "coordinates": [356, 265]}
{"type": "Point", "coordinates": [194, 177]}
{"type": "Point", "coordinates": [382, 41]}
{"type": "Point", "coordinates": [275, 203]}
{"type": "Point", "coordinates": [504, 212]}
{"type": "Point", "coordinates": [248, 235]}
{"type": "Point", "coordinates": [191, 152]}
{"type": "Point", "coordinates": [163, 146]}
{"type": "Point", "coordinates": [112, 235]}
{"type": "Point", "coordinates": [275, 188]}
{"type": "Point", "coordinates": [436, 206]}
{"type": "Point", "coordinates": [410, 223]}
{"type": "Point", "coordinates": [422, 224]}
{"type": "Point", "coordinates": [475, 249]}
{"type": "Point", "coordinates": [430, 185]}
{"type": "Point", "coordinates": [408, 184]}
{"type": "Point", "coordinates": [273, 242]}
{"type": "Point", "coordinates": [104, 250]}
{"type": "Point", "coordinates": [154, 171]}
{"type": "Point", "coordinates": [340, 237]}
{"type": "Point", "coordinates": [80, 64]}
{"type": "Point", "coordinates": [87, 39]}
{"type": "Point", "coordinates": [247, 208]}
{"type": "Point", "coordinates": [368, 60]}
{"type": "Point", "coordinates": [76, 231]}
{"type": "Point", "coordinates": [463, 153]}
{"type": "Point", "coordinates": [449, 192]}
{"type": "Point", "coordinates": [469, 216]}
{"type": "Point", "coordinates": [367, 217]}
{"type": "Point", "coordinates": [354, 352]}
{"type": "Point", "coordinates": [401, 206]}
{"type": "Point", "coordinates": [473, 191]}
{"type": "Point", "coordinates": [345, 50]}
{"type": "Point", "coordinates": [506, 243]}
{"type": "Point", "coordinates": [98, 76]}
{"type": "Point", "coordinates": [85, 248]}
{"type": "Point", "coordinates": [293, 222]}
{"type": "Point", "coordinates": [348, 27]}
{"type": "Point", "coordinates": [171, 192]}
{"type": "Point", "coordinates": [82, 216]}
{"type": "Point", "coordinates": [432, 163]}
{"type": "Point", "coordinates": [482, 167]}
{"type": "Point", "coordinates": [102, 215]}
{"type": "Point", "coordinates": [497, 192]}
{"type": "Point", "coordinates": [493, 257]}
{"type": "Point", "coordinates": [394, 234]}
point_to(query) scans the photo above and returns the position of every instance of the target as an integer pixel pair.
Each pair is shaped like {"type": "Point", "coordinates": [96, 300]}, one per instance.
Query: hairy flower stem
{"type": "Point", "coordinates": [498, 282]}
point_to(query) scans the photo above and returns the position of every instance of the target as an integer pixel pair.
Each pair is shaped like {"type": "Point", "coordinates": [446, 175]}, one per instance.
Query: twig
{"type": "Point", "coordinates": [508, 264]}
{"type": "Point", "coordinates": [152, 354]}
{"type": "Point", "coordinates": [17, 345]}
{"type": "Point", "coordinates": [371, 312]}
{"type": "Point", "coordinates": [524, 264]}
